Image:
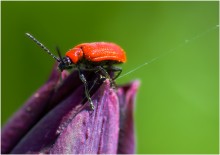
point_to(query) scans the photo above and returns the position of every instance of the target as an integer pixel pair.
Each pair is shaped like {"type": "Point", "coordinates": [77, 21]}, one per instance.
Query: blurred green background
{"type": "Point", "coordinates": [177, 107]}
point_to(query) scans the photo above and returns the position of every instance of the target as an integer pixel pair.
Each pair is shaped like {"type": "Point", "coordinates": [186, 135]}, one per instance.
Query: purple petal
{"type": "Point", "coordinates": [28, 115]}
{"type": "Point", "coordinates": [72, 128]}
{"type": "Point", "coordinates": [93, 131]}
{"type": "Point", "coordinates": [127, 95]}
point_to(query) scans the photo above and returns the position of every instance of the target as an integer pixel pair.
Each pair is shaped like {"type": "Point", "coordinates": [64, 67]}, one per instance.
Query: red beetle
{"type": "Point", "coordinates": [97, 56]}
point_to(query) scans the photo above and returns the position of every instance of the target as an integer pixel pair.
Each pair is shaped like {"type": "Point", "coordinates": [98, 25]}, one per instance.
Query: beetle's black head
{"type": "Point", "coordinates": [65, 63]}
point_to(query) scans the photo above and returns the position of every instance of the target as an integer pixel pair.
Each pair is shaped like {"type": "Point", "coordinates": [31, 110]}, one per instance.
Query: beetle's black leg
{"type": "Point", "coordinates": [83, 79]}
{"type": "Point", "coordinates": [114, 69]}
{"type": "Point", "coordinates": [107, 68]}
{"type": "Point", "coordinates": [105, 73]}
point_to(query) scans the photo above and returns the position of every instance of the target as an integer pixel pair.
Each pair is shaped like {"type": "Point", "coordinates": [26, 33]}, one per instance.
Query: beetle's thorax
{"type": "Point", "coordinates": [75, 54]}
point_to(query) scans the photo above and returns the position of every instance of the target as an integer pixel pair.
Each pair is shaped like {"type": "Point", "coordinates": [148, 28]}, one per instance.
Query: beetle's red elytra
{"type": "Point", "coordinates": [98, 57]}
{"type": "Point", "coordinates": [96, 52]}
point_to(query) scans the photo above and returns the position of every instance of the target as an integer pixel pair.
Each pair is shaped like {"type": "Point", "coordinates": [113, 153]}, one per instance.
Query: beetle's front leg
{"type": "Point", "coordinates": [83, 79]}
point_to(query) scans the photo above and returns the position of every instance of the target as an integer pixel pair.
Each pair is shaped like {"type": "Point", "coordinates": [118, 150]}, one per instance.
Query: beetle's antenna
{"type": "Point", "coordinates": [42, 46]}
{"type": "Point", "coordinates": [60, 56]}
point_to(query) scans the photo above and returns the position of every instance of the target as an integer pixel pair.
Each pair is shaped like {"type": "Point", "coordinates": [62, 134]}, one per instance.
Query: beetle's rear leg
{"type": "Point", "coordinates": [114, 69]}
{"type": "Point", "coordinates": [83, 79]}
{"type": "Point", "coordinates": [106, 75]}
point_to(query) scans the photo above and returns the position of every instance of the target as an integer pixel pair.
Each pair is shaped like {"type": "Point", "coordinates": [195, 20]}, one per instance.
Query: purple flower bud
{"type": "Point", "coordinates": [57, 120]}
